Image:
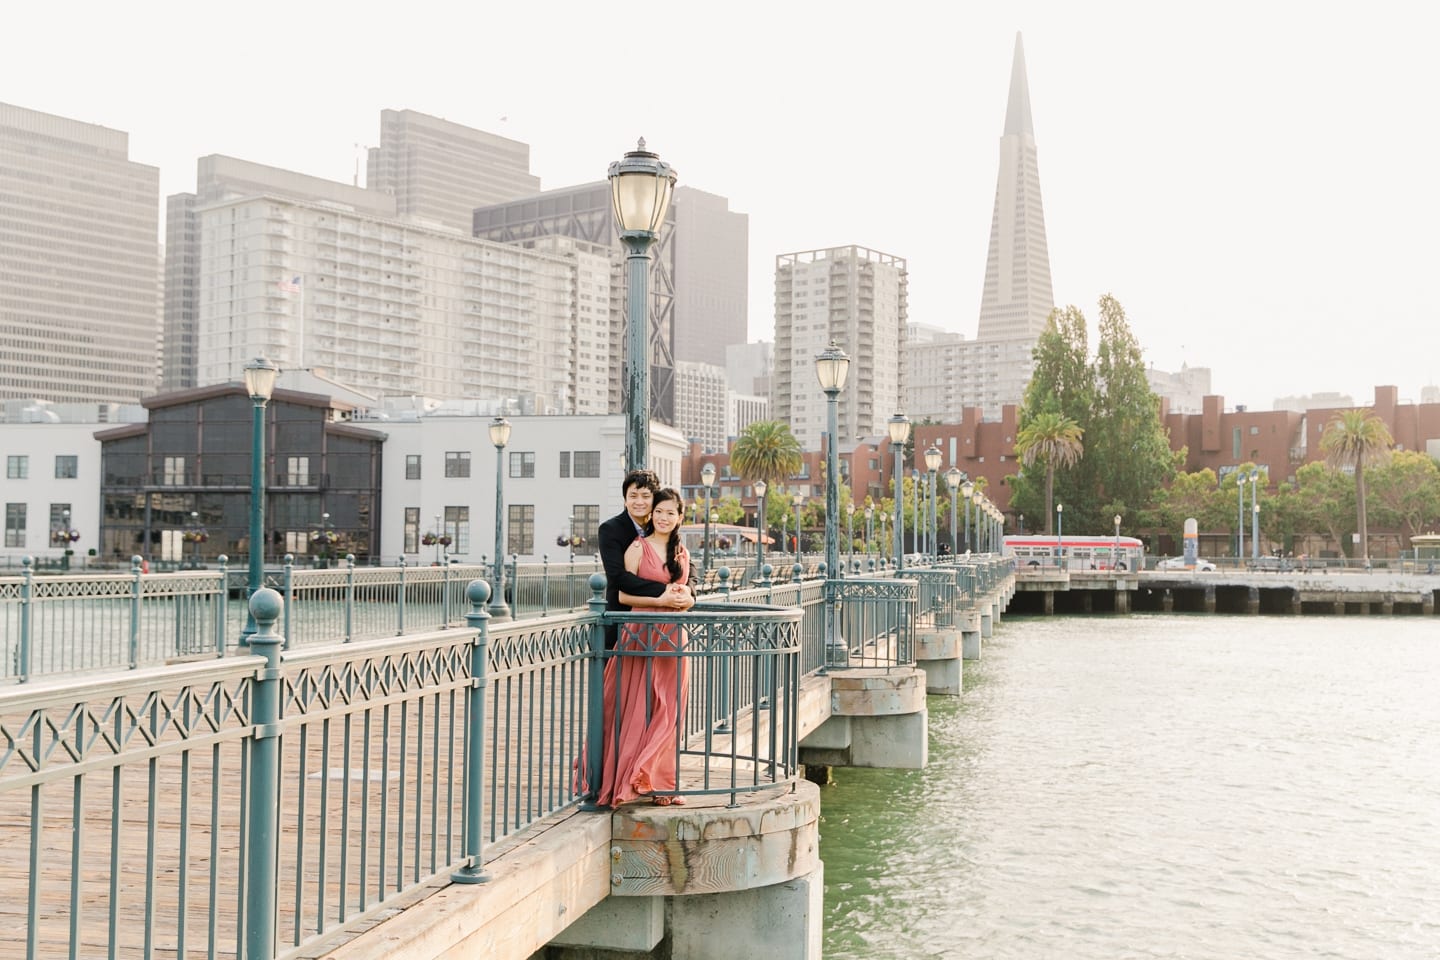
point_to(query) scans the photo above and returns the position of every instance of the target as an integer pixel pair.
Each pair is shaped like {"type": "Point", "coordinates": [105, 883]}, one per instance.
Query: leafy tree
{"type": "Point", "coordinates": [1127, 448]}
{"type": "Point", "coordinates": [1053, 440]}
{"type": "Point", "coordinates": [767, 450]}
{"type": "Point", "coordinates": [1320, 501]}
{"type": "Point", "coordinates": [729, 509]}
{"type": "Point", "coordinates": [1405, 493]}
{"type": "Point", "coordinates": [1354, 439]}
{"type": "Point", "coordinates": [1195, 495]}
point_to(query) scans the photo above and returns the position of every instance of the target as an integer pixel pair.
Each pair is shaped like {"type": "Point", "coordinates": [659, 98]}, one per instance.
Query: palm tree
{"type": "Point", "coordinates": [1055, 439]}
{"type": "Point", "coordinates": [1354, 439]}
{"type": "Point", "coordinates": [766, 450]}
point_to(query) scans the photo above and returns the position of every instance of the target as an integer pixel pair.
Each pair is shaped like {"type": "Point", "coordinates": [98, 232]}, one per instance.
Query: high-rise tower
{"type": "Point", "coordinates": [1017, 299]}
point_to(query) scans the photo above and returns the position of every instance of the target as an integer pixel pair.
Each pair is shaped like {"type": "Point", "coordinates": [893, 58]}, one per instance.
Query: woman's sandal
{"type": "Point", "coordinates": [668, 801]}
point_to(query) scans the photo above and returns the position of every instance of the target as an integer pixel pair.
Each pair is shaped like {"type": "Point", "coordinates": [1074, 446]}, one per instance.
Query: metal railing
{"type": "Point", "coordinates": [257, 804]}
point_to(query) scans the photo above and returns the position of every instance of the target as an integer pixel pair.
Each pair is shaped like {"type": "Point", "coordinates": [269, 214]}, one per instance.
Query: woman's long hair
{"type": "Point", "coordinates": [672, 543]}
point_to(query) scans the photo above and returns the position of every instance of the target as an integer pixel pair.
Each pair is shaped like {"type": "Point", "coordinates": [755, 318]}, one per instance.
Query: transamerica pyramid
{"type": "Point", "coordinates": [1017, 298]}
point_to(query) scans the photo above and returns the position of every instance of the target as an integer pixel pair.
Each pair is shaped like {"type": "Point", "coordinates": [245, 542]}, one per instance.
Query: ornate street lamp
{"type": "Point", "coordinates": [953, 476]}
{"type": "Point", "coordinates": [899, 427]}
{"type": "Point", "coordinates": [932, 469]}
{"type": "Point", "coordinates": [1255, 514]}
{"type": "Point", "coordinates": [850, 533]}
{"type": "Point", "coordinates": [707, 477]}
{"type": "Point", "coordinates": [500, 436]}
{"type": "Point", "coordinates": [831, 368]}
{"type": "Point", "coordinates": [869, 526]}
{"type": "Point", "coordinates": [798, 499]}
{"type": "Point", "coordinates": [760, 487]}
{"type": "Point", "coordinates": [1115, 559]}
{"type": "Point", "coordinates": [967, 490]}
{"type": "Point", "coordinates": [260, 376]}
{"type": "Point", "coordinates": [1060, 531]}
{"type": "Point", "coordinates": [65, 537]}
{"type": "Point", "coordinates": [196, 535]}
{"type": "Point", "coordinates": [640, 189]}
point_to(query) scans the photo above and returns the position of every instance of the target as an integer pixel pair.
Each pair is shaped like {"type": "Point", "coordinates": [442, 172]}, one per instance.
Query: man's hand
{"type": "Point", "coordinates": [678, 597]}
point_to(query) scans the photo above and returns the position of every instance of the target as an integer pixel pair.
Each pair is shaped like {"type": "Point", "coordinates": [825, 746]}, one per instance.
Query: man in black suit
{"type": "Point", "coordinates": [616, 535]}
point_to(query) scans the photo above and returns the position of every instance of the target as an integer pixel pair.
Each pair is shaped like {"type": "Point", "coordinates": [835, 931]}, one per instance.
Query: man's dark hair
{"type": "Point", "coordinates": [640, 478]}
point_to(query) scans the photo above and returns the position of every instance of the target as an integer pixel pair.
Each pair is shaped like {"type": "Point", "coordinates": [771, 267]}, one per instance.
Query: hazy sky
{"type": "Point", "coordinates": [1256, 182]}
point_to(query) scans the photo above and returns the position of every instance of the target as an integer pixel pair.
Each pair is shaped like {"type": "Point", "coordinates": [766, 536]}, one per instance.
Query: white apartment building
{"type": "Point", "coordinates": [561, 475]}
{"type": "Point", "coordinates": [856, 298]}
{"type": "Point", "coordinates": [394, 308]}
{"type": "Point", "coordinates": [78, 262]}
{"type": "Point", "coordinates": [945, 373]}
{"type": "Point", "coordinates": [701, 403]}
{"type": "Point", "coordinates": [51, 482]}
{"type": "Point", "coordinates": [745, 410]}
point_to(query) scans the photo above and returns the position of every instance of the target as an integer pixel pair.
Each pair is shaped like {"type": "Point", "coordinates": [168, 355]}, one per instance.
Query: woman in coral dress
{"type": "Point", "coordinates": [640, 756]}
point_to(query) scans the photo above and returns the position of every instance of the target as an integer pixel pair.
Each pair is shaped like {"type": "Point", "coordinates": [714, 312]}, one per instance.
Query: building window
{"type": "Point", "coordinates": [297, 471]}
{"type": "Point", "coordinates": [587, 463]}
{"type": "Point", "coordinates": [564, 464]}
{"type": "Point", "coordinates": [457, 463]}
{"type": "Point", "coordinates": [17, 468]}
{"type": "Point", "coordinates": [585, 523]}
{"type": "Point", "coordinates": [520, 535]}
{"type": "Point", "coordinates": [522, 464]}
{"type": "Point", "coordinates": [1235, 443]}
{"type": "Point", "coordinates": [14, 524]}
{"type": "Point", "coordinates": [67, 466]}
{"type": "Point", "coordinates": [173, 471]}
{"type": "Point", "coordinates": [457, 524]}
{"type": "Point", "coordinates": [412, 521]}
{"type": "Point", "coordinates": [412, 469]}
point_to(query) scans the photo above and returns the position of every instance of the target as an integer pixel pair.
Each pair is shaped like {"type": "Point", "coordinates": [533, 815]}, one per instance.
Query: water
{"type": "Point", "coordinates": [1157, 786]}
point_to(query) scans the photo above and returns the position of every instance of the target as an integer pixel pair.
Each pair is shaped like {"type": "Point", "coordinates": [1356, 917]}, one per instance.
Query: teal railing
{"type": "Point", "coordinates": [260, 803]}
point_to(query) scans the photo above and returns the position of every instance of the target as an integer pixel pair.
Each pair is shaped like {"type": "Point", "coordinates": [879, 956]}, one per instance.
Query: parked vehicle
{"type": "Point", "coordinates": [1178, 563]}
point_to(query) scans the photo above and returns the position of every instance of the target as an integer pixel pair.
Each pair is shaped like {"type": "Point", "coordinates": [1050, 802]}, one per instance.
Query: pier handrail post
{"type": "Point", "coordinates": [135, 567]}
{"type": "Point", "coordinates": [27, 610]}
{"type": "Point", "coordinates": [400, 602]}
{"type": "Point", "coordinates": [478, 619]}
{"type": "Point", "coordinates": [288, 582]}
{"type": "Point", "coordinates": [222, 607]}
{"type": "Point", "coordinates": [349, 597]}
{"type": "Point", "coordinates": [264, 806]}
{"type": "Point", "coordinates": [594, 757]}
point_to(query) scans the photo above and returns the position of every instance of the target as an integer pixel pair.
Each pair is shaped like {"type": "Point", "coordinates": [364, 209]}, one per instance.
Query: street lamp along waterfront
{"type": "Point", "coordinates": [932, 471]}
{"type": "Point", "coordinates": [953, 476]}
{"type": "Point", "coordinates": [831, 368]}
{"type": "Point", "coordinates": [798, 499]}
{"type": "Point", "coordinates": [260, 377]}
{"type": "Point", "coordinates": [641, 185]}
{"type": "Point", "coordinates": [899, 428]}
{"type": "Point", "coordinates": [707, 477]}
{"type": "Point", "coordinates": [500, 436]}
{"type": "Point", "coordinates": [967, 490]}
{"type": "Point", "coordinates": [760, 487]}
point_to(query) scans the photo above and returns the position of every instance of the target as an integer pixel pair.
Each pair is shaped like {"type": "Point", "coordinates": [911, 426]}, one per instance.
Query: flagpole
{"type": "Point", "coordinates": [300, 348]}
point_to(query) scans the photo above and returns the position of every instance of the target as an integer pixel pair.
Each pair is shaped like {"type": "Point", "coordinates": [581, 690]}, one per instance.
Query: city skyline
{"type": "Point", "coordinates": [1255, 192]}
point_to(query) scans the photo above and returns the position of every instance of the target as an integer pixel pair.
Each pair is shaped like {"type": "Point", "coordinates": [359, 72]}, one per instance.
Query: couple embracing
{"type": "Point", "coordinates": [647, 568]}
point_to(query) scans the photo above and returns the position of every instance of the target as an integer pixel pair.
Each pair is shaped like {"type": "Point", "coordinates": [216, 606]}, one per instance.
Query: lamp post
{"type": "Point", "coordinates": [831, 367]}
{"type": "Point", "coordinates": [1060, 532]}
{"type": "Point", "coordinates": [798, 499]}
{"type": "Point", "coordinates": [1021, 521]}
{"type": "Point", "coordinates": [869, 526]}
{"type": "Point", "coordinates": [784, 530]}
{"type": "Point", "coordinates": [1115, 557]}
{"type": "Point", "coordinates": [500, 436]}
{"type": "Point", "coordinates": [899, 427]}
{"type": "Point", "coordinates": [932, 470]}
{"type": "Point", "coordinates": [640, 189]}
{"type": "Point", "coordinates": [439, 532]}
{"type": "Point", "coordinates": [850, 533]}
{"type": "Point", "coordinates": [1255, 514]}
{"type": "Point", "coordinates": [260, 376]}
{"type": "Point", "coordinates": [195, 539]}
{"type": "Point", "coordinates": [760, 487]}
{"type": "Point", "coordinates": [953, 476]}
{"type": "Point", "coordinates": [967, 490]}
{"type": "Point", "coordinates": [707, 477]}
{"type": "Point", "coordinates": [1239, 518]}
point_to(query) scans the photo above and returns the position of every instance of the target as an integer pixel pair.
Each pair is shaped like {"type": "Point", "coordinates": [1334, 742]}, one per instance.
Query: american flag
{"type": "Point", "coordinates": [290, 286]}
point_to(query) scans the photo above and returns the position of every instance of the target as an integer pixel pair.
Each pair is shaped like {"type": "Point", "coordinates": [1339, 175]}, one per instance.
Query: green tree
{"type": "Point", "coordinates": [1195, 495]}
{"type": "Point", "coordinates": [1354, 439]}
{"type": "Point", "coordinates": [1405, 493]}
{"type": "Point", "coordinates": [1321, 501]}
{"type": "Point", "coordinates": [766, 450]}
{"type": "Point", "coordinates": [1127, 448]}
{"type": "Point", "coordinates": [1054, 440]}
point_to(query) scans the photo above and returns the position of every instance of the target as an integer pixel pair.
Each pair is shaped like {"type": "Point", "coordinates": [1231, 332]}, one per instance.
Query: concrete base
{"type": "Point", "coordinates": [1167, 601]}
{"type": "Point", "coordinates": [938, 654]}
{"type": "Point", "coordinates": [970, 643]}
{"type": "Point", "coordinates": [987, 625]}
{"type": "Point", "coordinates": [1209, 599]}
{"type": "Point", "coordinates": [897, 742]}
{"type": "Point", "coordinates": [635, 924]}
{"type": "Point", "coordinates": [1252, 600]}
{"type": "Point", "coordinates": [1122, 601]}
{"type": "Point", "coordinates": [783, 921]}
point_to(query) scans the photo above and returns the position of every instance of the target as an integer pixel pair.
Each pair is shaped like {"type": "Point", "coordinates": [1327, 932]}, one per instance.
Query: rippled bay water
{"type": "Point", "coordinates": [1157, 786]}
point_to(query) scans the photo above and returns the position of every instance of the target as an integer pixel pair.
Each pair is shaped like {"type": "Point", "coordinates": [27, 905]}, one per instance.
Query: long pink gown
{"type": "Point", "coordinates": [651, 699]}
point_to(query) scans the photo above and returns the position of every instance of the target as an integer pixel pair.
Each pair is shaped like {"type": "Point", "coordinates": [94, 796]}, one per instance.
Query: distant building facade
{"type": "Point", "coordinates": [438, 171]}
{"type": "Point", "coordinates": [79, 259]}
{"type": "Point", "coordinates": [701, 403]}
{"type": "Point", "coordinates": [1185, 390]}
{"type": "Point", "coordinates": [856, 298]}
